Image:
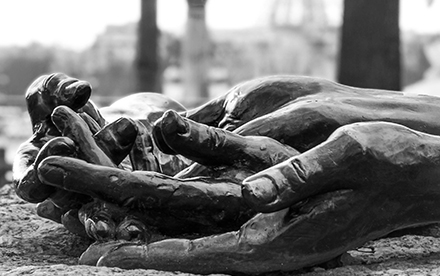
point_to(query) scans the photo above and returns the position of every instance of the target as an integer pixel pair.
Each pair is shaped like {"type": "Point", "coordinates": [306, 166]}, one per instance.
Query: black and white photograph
{"type": "Point", "coordinates": [220, 137]}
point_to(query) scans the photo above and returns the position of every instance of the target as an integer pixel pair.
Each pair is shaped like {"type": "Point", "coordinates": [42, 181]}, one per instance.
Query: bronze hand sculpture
{"type": "Point", "coordinates": [328, 167]}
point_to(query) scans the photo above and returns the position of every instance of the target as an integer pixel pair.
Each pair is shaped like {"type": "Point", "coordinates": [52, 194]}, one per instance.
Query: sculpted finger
{"type": "Point", "coordinates": [71, 125]}
{"type": "Point", "coordinates": [93, 125]}
{"type": "Point", "coordinates": [31, 189]}
{"type": "Point", "coordinates": [318, 170]}
{"type": "Point", "coordinates": [131, 228]}
{"type": "Point", "coordinates": [157, 154]}
{"type": "Point", "coordinates": [144, 189]}
{"type": "Point", "coordinates": [100, 219]}
{"type": "Point", "coordinates": [211, 146]}
{"type": "Point", "coordinates": [252, 99]}
{"type": "Point", "coordinates": [67, 200]}
{"type": "Point", "coordinates": [100, 227]}
{"type": "Point", "coordinates": [47, 209]}
{"type": "Point", "coordinates": [63, 146]}
{"type": "Point", "coordinates": [67, 91]}
{"type": "Point", "coordinates": [96, 250]}
{"type": "Point", "coordinates": [210, 113]}
{"type": "Point", "coordinates": [117, 139]}
{"type": "Point", "coordinates": [159, 138]}
{"type": "Point", "coordinates": [141, 156]}
{"type": "Point", "coordinates": [71, 222]}
{"type": "Point", "coordinates": [92, 110]}
{"type": "Point", "coordinates": [297, 125]}
{"type": "Point", "coordinates": [50, 91]}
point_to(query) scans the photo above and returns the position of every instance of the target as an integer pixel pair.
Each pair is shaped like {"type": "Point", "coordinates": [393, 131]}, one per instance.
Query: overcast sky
{"type": "Point", "coordinates": [75, 23]}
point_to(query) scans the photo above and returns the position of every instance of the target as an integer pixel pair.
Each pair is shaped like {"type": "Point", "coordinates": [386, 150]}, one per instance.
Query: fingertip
{"type": "Point", "coordinates": [71, 222]}
{"type": "Point", "coordinates": [74, 93]}
{"type": "Point", "coordinates": [117, 138]}
{"type": "Point", "coordinates": [100, 230]}
{"type": "Point", "coordinates": [50, 173]}
{"type": "Point", "coordinates": [61, 145]}
{"type": "Point", "coordinates": [259, 192]}
{"type": "Point", "coordinates": [173, 123]}
{"type": "Point", "coordinates": [159, 139]}
{"type": "Point", "coordinates": [61, 109]}
{"type": "Point", "coordinates": [96, 250]}
{"type": "Point", "coordinates": [126, 127]}
{"type": "Point", "coordinates": [61, 115]}
{"type": "Point", "coordinates": [48, 210]}
{"type": "Point", "coordinates": [132, 229]}
{"type": "Point", "coordinates": [126, 255]}
{"type": "Point", "coordinates": [31, 189]}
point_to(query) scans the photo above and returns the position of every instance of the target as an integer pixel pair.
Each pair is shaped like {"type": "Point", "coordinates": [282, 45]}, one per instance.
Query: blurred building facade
{"type": "Point", "coordinates": [293, 37]}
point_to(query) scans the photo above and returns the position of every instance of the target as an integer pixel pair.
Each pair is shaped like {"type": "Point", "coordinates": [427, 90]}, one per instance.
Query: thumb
{"type": "Point", "coordinates": [316, 171]}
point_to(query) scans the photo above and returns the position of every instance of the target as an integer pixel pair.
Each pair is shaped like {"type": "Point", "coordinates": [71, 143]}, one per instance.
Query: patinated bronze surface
{"type": "Point", "coordinates": [278, 174]}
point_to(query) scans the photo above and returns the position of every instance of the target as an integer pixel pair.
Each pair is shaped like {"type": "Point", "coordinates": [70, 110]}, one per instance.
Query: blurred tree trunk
{"type": "Point", "coordinates": [370, 44]}
{"type": "Point", "coordinates": [148, 73]}
{"type": "Point", "coordinates": [195, 54]}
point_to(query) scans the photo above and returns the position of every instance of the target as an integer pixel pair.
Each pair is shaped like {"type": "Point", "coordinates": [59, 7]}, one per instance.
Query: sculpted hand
{"type": "Point", "coordinates": [347, 183]}
{"type": "Point", "coordinates": [65, 123]}
{"type": "Point", "coordinates": [365, 181]}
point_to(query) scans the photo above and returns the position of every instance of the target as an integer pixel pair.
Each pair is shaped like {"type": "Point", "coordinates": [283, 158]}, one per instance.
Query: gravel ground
{"type": "Point", "coordinates": [30, 245]}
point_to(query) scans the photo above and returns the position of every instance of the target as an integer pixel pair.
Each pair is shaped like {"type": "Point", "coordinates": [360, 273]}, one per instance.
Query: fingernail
{"type": "Point", "coordinates": [90, 228]}
{"type": "Point", "coordinates": [104, 229]}
{"type": "Point", "coordinates": [131, 229]}
{"type": "Point", "coordinates": [259, 191]}
{"type": "Point", "coordinates": [100, 230]}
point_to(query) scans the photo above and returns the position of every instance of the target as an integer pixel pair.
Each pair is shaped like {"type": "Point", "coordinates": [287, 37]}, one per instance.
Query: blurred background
{"type": "Point", "coordinates": [194, 50]}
